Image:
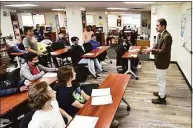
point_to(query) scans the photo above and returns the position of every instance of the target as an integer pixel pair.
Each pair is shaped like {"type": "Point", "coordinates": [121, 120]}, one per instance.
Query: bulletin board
{"type": "Point", "coordinates": [186, 33]}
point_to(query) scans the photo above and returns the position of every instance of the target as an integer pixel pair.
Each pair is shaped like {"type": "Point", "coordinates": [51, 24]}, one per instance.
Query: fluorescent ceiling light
{"type": "Point", "coordinates": [58, 9]}
{"type": "Point", "coordinates": [21, 5]}
{"type": "Point", "coordinates": [138, 2]}
{"type": "Point", "coordinates": [117, 8]}
{"type": "Point", "coordinates": [117, 12]}
{"type": "Point", "coordinates": [125, 14]}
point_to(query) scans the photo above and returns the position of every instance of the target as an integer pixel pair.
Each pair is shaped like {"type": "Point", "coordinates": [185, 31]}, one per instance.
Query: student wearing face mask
{"type": "Point", "coordinates": [32, 70]}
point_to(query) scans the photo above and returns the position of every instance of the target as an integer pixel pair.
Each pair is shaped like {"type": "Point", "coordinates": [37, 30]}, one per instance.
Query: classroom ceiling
{"type": "Point", "coordinates": [89, 6]}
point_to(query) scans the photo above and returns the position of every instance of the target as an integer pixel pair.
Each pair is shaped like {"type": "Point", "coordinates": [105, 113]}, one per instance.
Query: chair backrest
{"type": "Point", "coordinates": [21, 46]}
{"type": "Point", "coordinates": [15, 74]}
{"type": "Point", "coordinates": [27, 118]}
{"type": "Point", "coordinates": [87, 47]}
{"type": "Point", "coordinates": [55, 46]}
{"type": "Point", "coordinates": [76, 54]}
{"type": "Point", "coordinates": [120, 50]}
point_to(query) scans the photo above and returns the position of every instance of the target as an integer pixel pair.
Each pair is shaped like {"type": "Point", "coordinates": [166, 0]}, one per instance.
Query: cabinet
{"type": "Point", "coordinates": [51, 36]}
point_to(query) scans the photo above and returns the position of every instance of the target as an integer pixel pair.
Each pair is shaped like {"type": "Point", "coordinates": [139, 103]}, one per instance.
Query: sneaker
{"type": "Point", "coordinates": [157, 94]}
{"type": "Point", "coordinates": [104, 70]}
{"type": "Point", "coordinates": [115, 123]}
{"type": "Point", "coordinates": [103, 63]}
{"type": "Point", "coordinates": [159, 100]}
{"type": "Point", "coordinates": [138, 66]}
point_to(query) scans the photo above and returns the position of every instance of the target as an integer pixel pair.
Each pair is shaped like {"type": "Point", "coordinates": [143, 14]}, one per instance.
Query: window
{"type": "Point", "coordinates": [38, 19]}
{"type": "Point", "coordinates": [31, 20]}
{"type": "Point", "coordinates": [90, 19]}
{"type": "Point", "coordinates": [27, 19]}
{"type": "Point", "coordinates": [131, 20]}
{"type": "Point", "coordinates": [112, 21]}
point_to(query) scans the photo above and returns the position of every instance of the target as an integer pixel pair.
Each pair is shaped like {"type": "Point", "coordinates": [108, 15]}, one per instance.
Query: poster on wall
{"type": "Point", "coordinates": [144, 23]}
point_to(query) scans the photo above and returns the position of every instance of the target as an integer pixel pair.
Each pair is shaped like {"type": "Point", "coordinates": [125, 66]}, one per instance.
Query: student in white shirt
{"type": "Point", "coordinates": [48, 114]}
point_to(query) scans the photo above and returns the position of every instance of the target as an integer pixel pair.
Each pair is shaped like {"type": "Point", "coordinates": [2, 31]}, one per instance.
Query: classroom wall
{"type": "Point", "coordinates": [144, 16]}
{"type": "Point", "coordinates": [62, 17]}
{"type": "Point", "coordinates": [98, 21]}
{"type": "Point", "coordinates": [173, 14]}
{"type": "Point", "coordinates": [184, 57]}
{"type": "Point", "coordinates": [6, 25]}
{"type": "Point", "coordinates": [49, 18]}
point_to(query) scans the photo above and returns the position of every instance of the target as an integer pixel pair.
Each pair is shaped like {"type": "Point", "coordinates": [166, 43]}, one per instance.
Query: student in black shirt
{"type": "Point", "coordinates": [62, 39]}
{"type": "Point", "coordinates": [77, 51]}
{"type": "Point", "coordinates": [70, 96]}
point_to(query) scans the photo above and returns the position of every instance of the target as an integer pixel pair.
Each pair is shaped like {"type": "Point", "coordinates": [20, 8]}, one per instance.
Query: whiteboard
{"type": "Point", "coordinates": [186, 33]}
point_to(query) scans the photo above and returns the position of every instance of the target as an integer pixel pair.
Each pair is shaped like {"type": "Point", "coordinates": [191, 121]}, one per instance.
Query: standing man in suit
{"type": "Point", "coordinates": [162, 52]}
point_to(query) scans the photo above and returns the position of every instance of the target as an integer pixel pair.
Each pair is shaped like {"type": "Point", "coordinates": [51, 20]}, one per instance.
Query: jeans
{"type": "Point", "coordinates": [91, 65]}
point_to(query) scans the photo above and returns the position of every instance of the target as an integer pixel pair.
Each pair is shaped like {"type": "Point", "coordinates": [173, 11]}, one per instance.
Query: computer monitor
{"type": "Point", "coordinates": [49, 29]}
{"type": "Point", "coordinates": [99, 29]}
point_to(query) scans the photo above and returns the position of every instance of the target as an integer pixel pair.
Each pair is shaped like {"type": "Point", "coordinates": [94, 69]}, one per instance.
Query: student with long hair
{"type": "Point", "coordinates": [47, 114]}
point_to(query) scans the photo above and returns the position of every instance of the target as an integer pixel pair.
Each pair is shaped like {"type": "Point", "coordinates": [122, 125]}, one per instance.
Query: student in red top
{"type": "Point", "coordinates": [32, 70]}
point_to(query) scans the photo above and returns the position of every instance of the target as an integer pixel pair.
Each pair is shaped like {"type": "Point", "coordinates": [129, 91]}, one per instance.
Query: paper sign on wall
{"type": "Point", "coordinates": [101, 23]}
{"type": "Point", "coordinates": [50, 23]}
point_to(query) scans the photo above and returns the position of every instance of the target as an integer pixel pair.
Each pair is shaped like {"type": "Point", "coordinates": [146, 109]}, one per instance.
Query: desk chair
{"type": "Point", "coordinates": [87, 47]}
{"type": "Point", "coordinates": [27, 118]}
{"type": "Point", "coordinates": [119, 61]}
{"type": "Point", "coordinates": [56, 46]}
{"type": "Point", "coordinates": [75, 63]}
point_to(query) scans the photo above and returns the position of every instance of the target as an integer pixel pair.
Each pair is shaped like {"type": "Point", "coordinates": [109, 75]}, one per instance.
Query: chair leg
{"type": "Point", "coordinates": [128, 106]}
{"type": "Point", "coordinates": [109, 59]}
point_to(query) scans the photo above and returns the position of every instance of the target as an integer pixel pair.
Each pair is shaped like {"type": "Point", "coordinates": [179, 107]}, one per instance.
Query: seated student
{"type": "Point", "coordinates": [32, 70]}
{"type": "Point", "coordinates": [62, 39]}
{"type": "Point", "coordinates": [13, 46]}
{"type": "Point", "coordinates": [77, 51]}
{"type": "Point", "coordinates": [96, 44]}
{"type": "Point", "coordinates": [9, 83]}
{"type": "Point", "coordinates": [70, 96]}
{"type": "Point", "coordinates": [47, 114]}
{"type": "Point", "coordinates": [124, 47]}
{"type": "Point", "coordinates": [39, 33]}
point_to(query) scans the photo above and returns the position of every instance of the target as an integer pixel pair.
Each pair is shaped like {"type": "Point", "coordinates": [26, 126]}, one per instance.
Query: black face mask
{"type": "Point", "coordinates": [35, 64]}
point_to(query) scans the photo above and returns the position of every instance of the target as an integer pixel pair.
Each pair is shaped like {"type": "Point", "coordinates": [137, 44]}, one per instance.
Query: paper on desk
{"type": "Point", "coordinates": [133, 55]}
{"type": "Point", "coordinates": [101, 92]}
{"type": "Point", "coordinates": [89, 54]}
{"type": "Point", "coordinates": [50, 74]}
{"type": "Point", "coordinates": [10, 69]}
{"type": "Point", "coordinates": [100, 47]}
{"type": "Point", "coordinates": [83, 122]}
{"type": "Point", "coordinates": [102, 100]}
